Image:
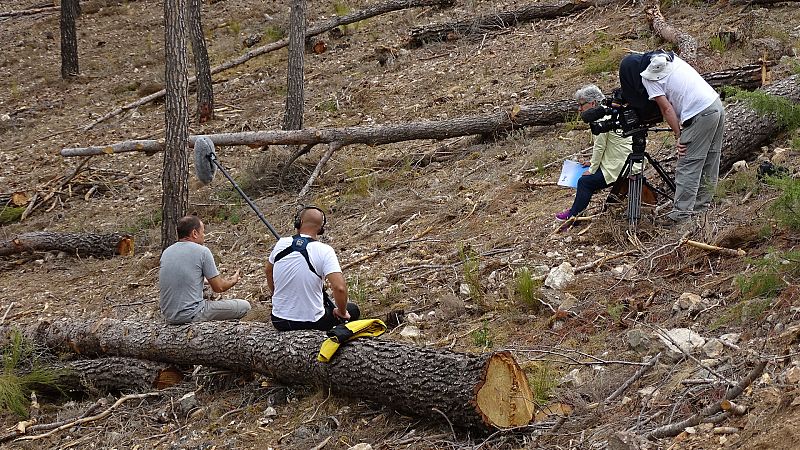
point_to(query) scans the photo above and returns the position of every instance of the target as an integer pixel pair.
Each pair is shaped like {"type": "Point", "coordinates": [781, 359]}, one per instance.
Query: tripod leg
{"type": "Point", "coordinates": [634, 198]}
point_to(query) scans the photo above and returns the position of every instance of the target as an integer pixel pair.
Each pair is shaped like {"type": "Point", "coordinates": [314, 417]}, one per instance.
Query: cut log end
{"type": "Point", "coordinates": [125, 246]}
{"type": "Point", "coordinates": [167, 378]}
{"type": "Point", "coordinates": [505, 398]}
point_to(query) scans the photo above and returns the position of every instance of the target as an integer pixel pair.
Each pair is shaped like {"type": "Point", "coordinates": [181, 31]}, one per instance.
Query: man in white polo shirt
{"type": "Point", "coordinates": [296, 272]}
{"type": "Point", "coordinates": [694, 112]}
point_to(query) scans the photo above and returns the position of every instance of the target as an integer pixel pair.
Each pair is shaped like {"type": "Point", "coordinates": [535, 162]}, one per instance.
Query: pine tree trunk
{"type": "Point", "coordinates": [293, 116]}
{"type": "Point", "coordinates": [746, 130]}
{"type": "Point", "coordinates": [116, 374]}
{"type": "Point", "coordinates": [482, 391]}
{"type": "Point", "coordinates": [82, 244]}
{"type": "Point", "coordinates": [175, 177]}
{"type": "Point", "coordinates": [70, 10]}
{"type": "Point", "coordinates": [205, 90]}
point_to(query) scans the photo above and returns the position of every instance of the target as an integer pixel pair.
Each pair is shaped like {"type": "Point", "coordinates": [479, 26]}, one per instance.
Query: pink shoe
{"type": "Point", "coordinates": [564, 215]}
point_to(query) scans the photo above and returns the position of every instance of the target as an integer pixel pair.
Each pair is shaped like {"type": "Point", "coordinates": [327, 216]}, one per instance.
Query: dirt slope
{"type": "Point", "coordinates": [487, 197]}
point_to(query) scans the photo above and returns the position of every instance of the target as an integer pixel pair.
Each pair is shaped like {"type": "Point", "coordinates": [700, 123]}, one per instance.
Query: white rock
{"type": "Point", "coordinates": [686, 339]}
{"type": "Point", "coordinates": [573, 379]}
{"type": "Point", "coordinates": [187, 402]}
{"type": "Point", "coordinates": [361, 446]}
{"type": "Point", "coordinates": [624, 272]}
{"type": "Point", "coordinates": [689, 302]}
{"type": "Point", "coordinates": [413, 318]}
{"type": "Point", "coordinates": [560, 276]}
{"type": "Point", "coordinates": [713, 348]}
{"type": "Point", "coordinates": [552, 254]}
{"type": "Point", "coordinates": [270, 412]}
{"type": "Point", "coordinates": [463, 289]}
{"type": "Point", "coordinates": [730, 338]}
{"type": "Point", "coordinates": [793, 375]}
{"type": "Point", "coordinates": [739, 166]}
{"type": "Point", "coordinates": [690, 430]}
{"type": "Point", "coordinates": [411, 332]}
{"type": "Point", "coordinates": [779, 155]}
{"type": "Point", "coordinates": [568, 302]}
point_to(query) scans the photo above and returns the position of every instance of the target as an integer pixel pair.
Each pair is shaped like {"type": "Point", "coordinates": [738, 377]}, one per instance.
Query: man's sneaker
{"type": "Point", "coordinates": [564, 215]}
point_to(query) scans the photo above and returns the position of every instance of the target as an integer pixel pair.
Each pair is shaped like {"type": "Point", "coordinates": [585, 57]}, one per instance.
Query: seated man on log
{"type": "Point", "coordinates": [296, 272]}
{"type": "Point", "coordinates": [184, 265]}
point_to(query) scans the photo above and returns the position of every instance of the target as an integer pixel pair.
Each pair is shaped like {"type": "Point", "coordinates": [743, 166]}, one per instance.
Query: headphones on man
{"type": "Point", "coordinates": [298, 219]}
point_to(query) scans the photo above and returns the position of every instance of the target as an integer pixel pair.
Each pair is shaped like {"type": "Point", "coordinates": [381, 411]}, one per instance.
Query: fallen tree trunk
{"type": "Point", "coordinates": [83, 244]}
{"type": "Point", "coordinates": [30, 12]}
{"type": "Point", "coordinates": [335, 21]}
{"type": "Point", "coordinates": [477, 391]}
{"type": "Point", "coordinates": [419, 36]}
{"type": "Point", "coordinates": [687, 45]}
{"type": "Point", "coordinates": [550, 113]}
{"type": "Point", "coordinates": [116, 374]}
{"type": "Point", "coordinates": [746, 130]}
{"type": "Point", "coordinates": [545, 114]}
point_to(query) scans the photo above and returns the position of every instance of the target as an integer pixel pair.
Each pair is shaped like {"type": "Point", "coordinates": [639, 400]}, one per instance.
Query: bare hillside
{"type": "Point", "coordinates": [455, 225]}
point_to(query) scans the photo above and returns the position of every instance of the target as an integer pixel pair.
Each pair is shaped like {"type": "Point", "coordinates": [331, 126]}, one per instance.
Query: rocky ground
{"type": "Point", "coordinates": [472, 215]}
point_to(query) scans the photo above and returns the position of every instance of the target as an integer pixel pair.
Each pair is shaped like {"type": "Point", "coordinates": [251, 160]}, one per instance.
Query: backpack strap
{"type": "Point", "coordinates": [299, 244]}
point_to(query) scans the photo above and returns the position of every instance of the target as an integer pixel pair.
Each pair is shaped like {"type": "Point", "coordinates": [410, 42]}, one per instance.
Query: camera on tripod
{"type": "Point", "coordinates": [621, 116]}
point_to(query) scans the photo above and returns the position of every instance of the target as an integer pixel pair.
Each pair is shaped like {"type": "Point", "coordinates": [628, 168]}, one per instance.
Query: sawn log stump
{"type": "Point", "coordinates": [484, 391]}
{"type": "Point", "coordinates": [83, 244]}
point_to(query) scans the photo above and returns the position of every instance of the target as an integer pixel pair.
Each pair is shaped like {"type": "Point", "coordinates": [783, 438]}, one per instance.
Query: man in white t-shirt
{"type": "Point", "coordinates": [296, 272]}
{"type": "Point", "coordinates": [694, 112]}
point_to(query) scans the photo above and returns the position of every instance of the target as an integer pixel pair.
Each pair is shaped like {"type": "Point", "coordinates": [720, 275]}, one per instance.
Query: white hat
{"type": "Point", "coordinates": [660, 66]}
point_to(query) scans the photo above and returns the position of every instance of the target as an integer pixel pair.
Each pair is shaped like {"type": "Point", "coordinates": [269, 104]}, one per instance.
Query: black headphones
{"type": "Point", "coordinates": [298, 219]}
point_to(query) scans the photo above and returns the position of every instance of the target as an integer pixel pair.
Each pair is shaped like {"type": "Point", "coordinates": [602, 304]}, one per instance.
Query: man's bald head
{"type": "Point", "coordinates": [311, 221]}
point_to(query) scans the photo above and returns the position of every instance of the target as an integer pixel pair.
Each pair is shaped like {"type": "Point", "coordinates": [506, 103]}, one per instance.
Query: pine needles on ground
{"type": "Point", "coordinates": [23, 373]}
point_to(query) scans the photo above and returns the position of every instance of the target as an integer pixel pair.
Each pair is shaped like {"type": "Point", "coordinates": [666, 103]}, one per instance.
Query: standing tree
{"type": "Point", "coordinates": [293, 117]}
{"type": "Point", "coordinates": [70, 10]}
{"type": "Point", "coordinates": [175, 177]}
{"type": "Point", "coordinates": [205, 91]}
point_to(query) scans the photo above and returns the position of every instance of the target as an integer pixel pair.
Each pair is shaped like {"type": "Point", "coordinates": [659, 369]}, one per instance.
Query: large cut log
{"type": "Point", "coordinates": [549, 113]}
{"type": "Point", "coordinates": [118, 374]}
{"type": "Point", "coordinates": [687, 45]}
{"type": "Point", "coordinates": [449, 31]}
{"type": "Point", "coordinates": [333, 22]}
{"type": "Point", "coordinates": [30, 12]}
{"type": "Point", "coordinates": [746, 130]}
{"type": "Point", "coordinates": [83, 244]}
{"type": "Point", "coordinates": [477, 391]}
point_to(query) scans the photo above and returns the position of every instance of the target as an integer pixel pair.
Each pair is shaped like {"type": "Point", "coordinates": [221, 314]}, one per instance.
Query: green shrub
{"type": "Point", "coordinates": [718, 44]}
{"type": "Point", "coordinates": [22, 374]}
{"type": "Point", "coordinates": [604, 59]}
{"type": "Point", "coordinates": [357, 291]}
{"type": "Point", "coordinates": [786, 208]}
{"type": "Point", "coordinates": [471, 269]}
{"type": "Point", "coordinates": [483, 337]}
{"type": "Point", "coordinates": [526, 289]}
{"type": "Point", "coordinates": [543, 378]}
{"type": "Point", "coordinates": [760, 284]}
{"type": "Point", "coordinates": [10, 214]}
{"type": "Point", "coordinates": [274, 33]}
{"type": "Point", "coordinates": [739, 183]}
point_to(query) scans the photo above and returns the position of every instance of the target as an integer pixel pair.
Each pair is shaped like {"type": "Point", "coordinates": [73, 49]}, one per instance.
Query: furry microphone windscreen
{"type": "Point", "coordinates": [203, 167]}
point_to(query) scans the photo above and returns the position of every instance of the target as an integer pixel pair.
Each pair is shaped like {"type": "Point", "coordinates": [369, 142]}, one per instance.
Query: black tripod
{"type": "Point", "coordinates": [636, 180]}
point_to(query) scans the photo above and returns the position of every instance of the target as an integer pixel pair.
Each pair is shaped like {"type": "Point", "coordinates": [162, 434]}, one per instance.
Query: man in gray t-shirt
{"type": "Point", "coordinates": [184, 266]}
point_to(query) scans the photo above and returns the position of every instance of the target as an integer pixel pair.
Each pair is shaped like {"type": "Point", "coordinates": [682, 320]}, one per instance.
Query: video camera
{"type": "Point", "coordinates": [623, 117]}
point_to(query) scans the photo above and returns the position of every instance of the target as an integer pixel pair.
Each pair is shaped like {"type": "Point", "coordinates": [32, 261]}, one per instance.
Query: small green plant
{"type": "Point", "coordinates": [543, 378]}
{"type": "Point", "coordinates": [760, 284]}
{"type": "Point", "coordinates": [148, 221]}
{"type": "Point", "coordinates": [786, 208]}
{"type": "Point", "coordinates": [795, 142]}
{"type": "Point", "coordinates": [604, 59]}
{"type": "Point", "coordinates": [739, 183]}
{"type": "Point", "coordinates": [234, 27]}
{"type": "Point", "coordinates": [615, 311]}
{"type": "Point", "coordinates": [10, 214]}
{"type": "Point", "coordinates": [471, 270]}
{"type": "Point", "coordinates": [22, 374]}
{"type": "Point", "coordinates": [274, 33]}
{"type": "Point", "coordinates": [743, 312]}
{"type": "Point", "coordinates": [526, 289]}
{"type": "Point", "coordinates": [718, 44]}
{"type": "Point", "coordinates": [483, 336]}
{"type": "Point", "coordinates": [327, 106]}
{"type": "Point", "coordinates": [357, 291]}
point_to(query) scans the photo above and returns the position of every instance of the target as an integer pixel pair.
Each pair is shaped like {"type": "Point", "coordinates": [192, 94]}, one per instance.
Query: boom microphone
{"type": "Point", "coordinates": [205, 165]}
{"type": "Point", "coordinates": [594, 114]}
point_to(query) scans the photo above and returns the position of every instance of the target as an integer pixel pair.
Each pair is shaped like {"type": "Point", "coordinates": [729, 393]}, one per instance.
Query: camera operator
{"type": "Point", "coordinates": [609, 152]}
{"type": "Point", "coordinates": [694, 112]}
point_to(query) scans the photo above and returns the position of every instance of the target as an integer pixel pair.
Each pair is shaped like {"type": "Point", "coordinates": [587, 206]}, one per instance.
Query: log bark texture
{"type": "Point", "coordinates": [30, 12]}
{"type": "Point", "coordinates": [419, 36]}
{"type": "Point", "coordinates": [550, 113]}
{"type": "Point", "coordinates": [687, 45]}
{"type": "Point", "coordinates": [746, 130]}
{"type": "Point", "coordinates": [82, 244]}
{"type": "Point", "coordinates": [202, 66]}
{"type": "Point", "coordinates": [333, 22]}
{"type": "Point", "coordinates": [116, 374]}
{"type": "Point", "coordinates": [477, 391]}
{"type": "Point", "coordinates": [70, 10]}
